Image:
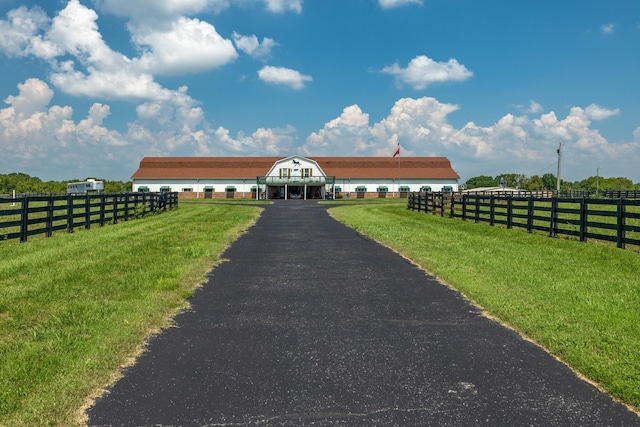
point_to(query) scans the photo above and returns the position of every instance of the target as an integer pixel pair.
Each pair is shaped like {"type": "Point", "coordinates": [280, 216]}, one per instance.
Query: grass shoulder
{"type": "Point", "coordinates": [75, 307]}
{"type": "Point", "coordinates": [580, 301]}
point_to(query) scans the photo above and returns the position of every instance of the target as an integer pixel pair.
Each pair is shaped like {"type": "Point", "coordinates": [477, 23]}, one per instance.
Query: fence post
{"type": "Point", "coordinates": [87, 212]}
{"type": "Point", "coordinates": [70, 213]}
{"type": "Point", "coordinates": [477, 216]}
{"type": "Point", "coordinates": [452, 213]}
{"type": "Point", "coordinates": [465, 198]}
{"type": "Point", "coordinates": [583, 219]}
{"type": "Point", "coordinates": [152, 206]}
{"type": "Point", "coordinates": [115, 208]}
{"type": "Point", "coordinates": [492, 209]}
{"type": "Point", "coordinates": [126, 207]}
{"type": "Point", "coordinates": [553, 220]}
{"type": "Point", "coordinates": [103, 202]}
{"type": "Point", "coordinates": [24, 219]}
{"type": "Point", "coordinates": [530, 208]}
{"type": "Point", "coordinates": [50, 216]}
{"type": "Point", "coordinates": [621, 223]}
{"type": "Point", "coordinates": [509, 212]}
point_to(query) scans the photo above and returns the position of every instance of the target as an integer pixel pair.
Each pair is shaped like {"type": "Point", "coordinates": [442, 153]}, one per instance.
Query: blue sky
{"type": "Point", "coordinates": [92, 86]}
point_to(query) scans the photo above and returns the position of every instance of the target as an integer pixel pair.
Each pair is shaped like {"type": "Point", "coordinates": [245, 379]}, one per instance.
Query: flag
{"type": "Point", "coordinates": [397, 153]}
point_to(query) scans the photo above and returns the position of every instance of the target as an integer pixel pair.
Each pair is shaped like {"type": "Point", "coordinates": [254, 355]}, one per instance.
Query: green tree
{"type": "Point", "coordinates": [550, 181]}
{"type": "Point", "coordinates": [535, 183]}
{"type": "Point", "coordinates": [481, 181]}
{"type": "Point", "coordinates": [512, 180]}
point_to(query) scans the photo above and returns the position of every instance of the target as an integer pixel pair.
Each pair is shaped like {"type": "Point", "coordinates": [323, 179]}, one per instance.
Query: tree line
{"type": "Point", "coordinates": [548, 181]}
{"type": "Point", "coordinates": [22, 183]}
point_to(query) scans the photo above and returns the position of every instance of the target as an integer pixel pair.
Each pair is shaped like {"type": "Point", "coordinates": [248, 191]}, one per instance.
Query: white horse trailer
{"type": "Point", "coordinates": [85, 187]}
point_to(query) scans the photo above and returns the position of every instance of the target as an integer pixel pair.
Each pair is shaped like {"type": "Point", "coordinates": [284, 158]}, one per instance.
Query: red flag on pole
{"type": "Point", "coordinates": [397, 153]}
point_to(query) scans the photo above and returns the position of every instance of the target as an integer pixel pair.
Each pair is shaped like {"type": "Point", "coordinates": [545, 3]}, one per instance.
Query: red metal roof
{"type": "Point", "coordinates": [252, 167]}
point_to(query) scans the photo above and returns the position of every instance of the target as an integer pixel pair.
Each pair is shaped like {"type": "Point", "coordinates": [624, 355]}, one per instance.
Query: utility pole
{"type": "Point", "coordinates": [597, 179]}
{"type": "Point", "coordinates": [559, 166]}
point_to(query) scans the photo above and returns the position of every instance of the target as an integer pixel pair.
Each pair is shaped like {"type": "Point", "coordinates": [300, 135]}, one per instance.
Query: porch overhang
{"type": "Point", "coordinates": [296, 180]}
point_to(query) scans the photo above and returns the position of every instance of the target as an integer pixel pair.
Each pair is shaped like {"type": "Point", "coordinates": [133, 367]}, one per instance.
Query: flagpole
{"type": "Point", "coordinates": [398, 169]}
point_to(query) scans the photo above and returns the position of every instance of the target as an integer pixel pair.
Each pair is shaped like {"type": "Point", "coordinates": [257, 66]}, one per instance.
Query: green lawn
{"type": "Point", "coordinates": [581, 301]}
{"type": "Point", "coordinates": [75, 307]}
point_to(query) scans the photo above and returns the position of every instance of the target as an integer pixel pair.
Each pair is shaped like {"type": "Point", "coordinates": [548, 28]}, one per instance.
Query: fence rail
{"type": "Point", "coordinates": [617, 194]}
{"type": "Point", "coordinates": [23, 217]}
{"type": "Point", "coordinates": [616, 220]}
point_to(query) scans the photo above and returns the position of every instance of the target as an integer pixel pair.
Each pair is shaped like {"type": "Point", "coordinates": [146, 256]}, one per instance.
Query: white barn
{"type": "Point", "coordinates": [294, 177]}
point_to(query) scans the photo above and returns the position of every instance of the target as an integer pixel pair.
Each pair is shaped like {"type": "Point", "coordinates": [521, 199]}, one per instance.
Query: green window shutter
{"type": "Point", "coordinates": [310, 171]}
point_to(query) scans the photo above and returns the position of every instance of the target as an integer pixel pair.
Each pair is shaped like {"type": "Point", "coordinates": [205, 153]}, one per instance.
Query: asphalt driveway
{"type": "Point", "coordinates": [311, 324]}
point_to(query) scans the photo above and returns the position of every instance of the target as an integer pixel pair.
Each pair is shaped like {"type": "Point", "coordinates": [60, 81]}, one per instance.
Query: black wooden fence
{"type": "Point", "coordinates": [30, 215]}
{"type": "Point", "coordinates": [617, 194]}
{"type": "Point", "coordinates": [616, 220]}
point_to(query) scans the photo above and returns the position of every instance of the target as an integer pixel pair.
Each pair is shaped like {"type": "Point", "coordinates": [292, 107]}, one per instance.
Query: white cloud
{"type": "Point", "coordinates": [513, 143]}
{"type": "Point", "coordinates": [36, 137]}
{"type": "Point", "coordinates": [423, 71]}
{"type": "Point", "coordinates": [74, 35]}
{"type": "Point", "coordinates": [143, 10]}
{"type": "Point", "coordinates": [34, 96]}
{"type": "Point", "coordinates": [607, 28]}
{"type": "Point", "coordinates": [270, 142]}
{"type": "Point", "coordinates": [187, 46]}
{"type": "Point", "coordinates": [596, 112]}
{"type": "Point", "coordinates": [253, 47]}
{"type": "Point", "coordinates": [20, 33]}
{"type": "Point", "coordinates": [532, 108]}
{"type": "Point", "coordinates": [280, 6]}
{"type": "Point", "coordinates": [388, 4]}
{"type": "Point", "coordinates": [284, 76]}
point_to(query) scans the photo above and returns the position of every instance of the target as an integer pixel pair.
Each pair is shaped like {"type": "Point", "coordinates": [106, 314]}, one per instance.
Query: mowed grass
{"type": "Point", "coordinates": [581, 301]}
{"type": "Point", "coordinates": [75, 307]}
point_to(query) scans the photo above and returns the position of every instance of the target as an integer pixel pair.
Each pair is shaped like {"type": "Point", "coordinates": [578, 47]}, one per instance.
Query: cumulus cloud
{"type": "Point", "coordinates": [607, 29]}
{"type": "Point", "coordinates": [36, 136]}
{"type": "Point", "coordinates": [389, 4]}
{"type": "Point", "coordinates": [34, 96]}
{"type": "Point", "coordinates": [187, 46]}
{"type": "Point", "coordinates": [525, 144]}
{"type": "Point", "coordinates": [280, 6]}
{"type": "Point", "coordinates": [423, 71]}
{"type": "Point", "coordinates": [283, 76]}
{"type": "Point", "coordinates": [253, 47]}
{"type": "Point", "coordinates": [532, 108]}
{"type": "Point", "coordinates": [596, 112]}
{"type": "Point", "coordinates": [89, 67]}
{"type": "Point", "coordinates": [21, 33]}
{"type": "Point", "coordinates": [270, 142]}
{"type": "Point", "coordinates": [143, 10]}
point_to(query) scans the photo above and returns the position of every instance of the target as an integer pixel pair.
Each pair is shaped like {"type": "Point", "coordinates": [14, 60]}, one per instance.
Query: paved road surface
{"type": "Point", "coordinates": [311, 324]}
